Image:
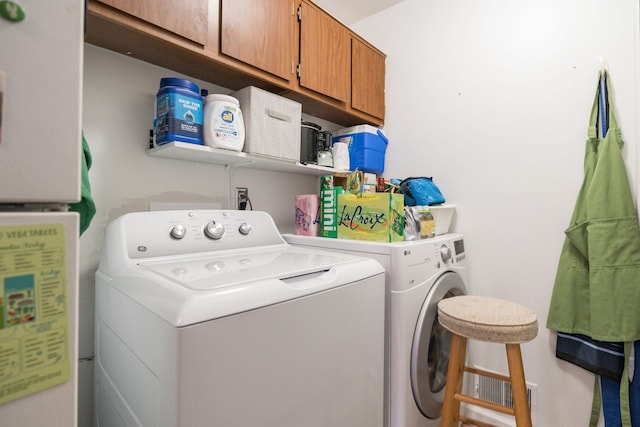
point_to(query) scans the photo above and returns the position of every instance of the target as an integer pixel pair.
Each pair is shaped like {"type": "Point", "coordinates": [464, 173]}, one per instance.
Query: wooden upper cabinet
{"type": "Point", "coordinates": [325, 51]}
{"type": "Point", "coordinates": [367, 79]}
{"type": "Point", "coordinates": [188, 19]}
{"type": "Point", "coordinates": [238, 43]}
{"type": "Point", "coordinates": [259, 33]}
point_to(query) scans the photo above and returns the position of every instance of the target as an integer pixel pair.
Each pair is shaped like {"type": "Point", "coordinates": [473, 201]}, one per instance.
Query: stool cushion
{"type": "Point", "coordinates": [488, 319]}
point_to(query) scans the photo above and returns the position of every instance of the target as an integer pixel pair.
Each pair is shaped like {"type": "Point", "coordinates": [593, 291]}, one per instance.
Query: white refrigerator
{"type": "Point", "coordinates": [41, 52]}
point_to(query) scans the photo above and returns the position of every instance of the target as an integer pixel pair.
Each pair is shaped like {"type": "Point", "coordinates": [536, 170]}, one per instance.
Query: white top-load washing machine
{"type": "Point", "coordinates": [209, 318]}
{"type": "Point", "coordinates": [419, 274]}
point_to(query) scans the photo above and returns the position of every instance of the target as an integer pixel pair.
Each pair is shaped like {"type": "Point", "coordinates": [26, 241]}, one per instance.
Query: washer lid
{"type": "Point", "coordinates": [186, 291]}
{"type": "Point", "coordinates": [213, 272]}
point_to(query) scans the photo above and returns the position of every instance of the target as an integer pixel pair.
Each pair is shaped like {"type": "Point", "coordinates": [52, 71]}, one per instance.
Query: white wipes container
{"type": "Point", "coordinates": [222, 123]}
{"type": "Point", "coordinates": [341, 156]}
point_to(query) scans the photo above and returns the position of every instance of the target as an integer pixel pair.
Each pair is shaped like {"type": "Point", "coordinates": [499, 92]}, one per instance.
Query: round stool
{"type": "Point", "coordinates": [492, 320]}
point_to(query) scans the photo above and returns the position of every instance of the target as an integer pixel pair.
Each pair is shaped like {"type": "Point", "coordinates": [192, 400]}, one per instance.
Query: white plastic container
{"type": "Point", "coordinates": [442, 215]}
{"type": "Point", "coordinates": [222, 123]}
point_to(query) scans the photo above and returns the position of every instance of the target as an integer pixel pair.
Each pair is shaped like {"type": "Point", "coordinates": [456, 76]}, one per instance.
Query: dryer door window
{"type": "Point", "coordinates": [430, 349]}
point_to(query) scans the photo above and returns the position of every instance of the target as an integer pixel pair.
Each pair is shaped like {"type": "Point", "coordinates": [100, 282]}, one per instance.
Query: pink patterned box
{"type": "Point", "coordinates": [307, 215]}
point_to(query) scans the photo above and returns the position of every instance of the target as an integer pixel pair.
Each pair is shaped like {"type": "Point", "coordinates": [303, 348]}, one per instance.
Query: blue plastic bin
{"type": "Point", "coordinates": [367, 147]}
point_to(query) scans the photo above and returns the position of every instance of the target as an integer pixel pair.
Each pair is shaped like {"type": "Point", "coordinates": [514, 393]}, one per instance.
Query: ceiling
{"type": "Point", "coordinates": [351, 11]}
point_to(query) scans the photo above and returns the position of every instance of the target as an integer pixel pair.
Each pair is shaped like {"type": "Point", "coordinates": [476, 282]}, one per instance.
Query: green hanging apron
{"type": "Point", "coordinates": [597, 287]}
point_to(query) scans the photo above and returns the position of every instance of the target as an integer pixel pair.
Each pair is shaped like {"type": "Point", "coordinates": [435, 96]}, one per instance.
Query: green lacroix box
{"type": "Point", "coordinates": [329, 206]}
{"type": "Point", "coordinates": [375, 217]}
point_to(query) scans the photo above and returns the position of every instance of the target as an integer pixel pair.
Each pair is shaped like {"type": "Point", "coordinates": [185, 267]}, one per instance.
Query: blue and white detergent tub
{"type": "Point", "coordinates": [178, 112]}
{"type": "Point", "coordinates": [367, 147]}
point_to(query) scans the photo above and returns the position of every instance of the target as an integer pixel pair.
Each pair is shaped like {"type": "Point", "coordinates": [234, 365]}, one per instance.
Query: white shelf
{"type": "Point", "coordinates": [206, 154]}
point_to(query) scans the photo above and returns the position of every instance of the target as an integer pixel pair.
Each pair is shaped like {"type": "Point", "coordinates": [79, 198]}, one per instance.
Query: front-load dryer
{"type": "Point", "coordinates": [418, 274]}
{"type": "Point", "coordinates": [209, 318]}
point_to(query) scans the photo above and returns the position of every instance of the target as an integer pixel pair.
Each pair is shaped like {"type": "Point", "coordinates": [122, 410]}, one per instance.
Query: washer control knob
{"type": "Point", "coordinates": [445, 253]}
{"type": "Point", "coordinates": [178, 231]}
{"type": "Point", "coordinates": [214, 230]}
{"type": "Point", "coordinates": [244, 229]}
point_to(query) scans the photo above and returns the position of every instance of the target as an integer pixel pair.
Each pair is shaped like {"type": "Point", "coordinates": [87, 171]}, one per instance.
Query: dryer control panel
{"type": "Point", "coordinates": [458, 246]}
{"type": "Point", "coordinates": [425, 259]}
{"type": "Point", "coordinates": [452, 251]}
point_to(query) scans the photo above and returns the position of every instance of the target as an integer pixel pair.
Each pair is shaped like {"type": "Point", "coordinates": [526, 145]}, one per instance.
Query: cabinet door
{"type": "Point", "coordinates": [325, 51]}
{"type": "Point", "coordinates": [185, 18]}
{"type": "Point", "coordinates": [367, 79]}
{"type": "Point", "coordinates": [259, 33]}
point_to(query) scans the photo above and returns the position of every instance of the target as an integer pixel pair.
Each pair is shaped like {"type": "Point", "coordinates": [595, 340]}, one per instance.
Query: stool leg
{"type": "Point", "coordinates": [518, 386]}
{"type": "Point", "coordinates": [451, 406]}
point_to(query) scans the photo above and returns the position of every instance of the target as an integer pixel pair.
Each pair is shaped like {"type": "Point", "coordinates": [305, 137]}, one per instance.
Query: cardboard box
{"type": "Point", "coordinates": [340, 179]}
{"type": "Point", "coordinates": [271, 123]}
{"type": "Point", "coordinates": [377, 217]}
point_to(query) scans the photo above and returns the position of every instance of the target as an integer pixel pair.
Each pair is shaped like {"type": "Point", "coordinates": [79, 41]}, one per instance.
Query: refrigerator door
{"type": "Point", "coordinates": [40, 101]}
{"type": "Point", "coordinates": [38, 319]}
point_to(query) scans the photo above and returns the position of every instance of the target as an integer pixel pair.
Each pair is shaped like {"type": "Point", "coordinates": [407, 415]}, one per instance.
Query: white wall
{"type": "Point", "coordinates": [119, 97]}
{"type": "Point", "coordinates": [492, 99]}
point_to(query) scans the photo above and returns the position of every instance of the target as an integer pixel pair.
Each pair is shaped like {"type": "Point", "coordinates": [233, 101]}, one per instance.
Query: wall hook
{"type": "Point", "coordinates": [604, 65]}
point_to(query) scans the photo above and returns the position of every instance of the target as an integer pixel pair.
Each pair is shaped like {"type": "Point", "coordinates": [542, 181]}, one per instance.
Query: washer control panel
{"type": "Point", "coordinates": [170, 233]}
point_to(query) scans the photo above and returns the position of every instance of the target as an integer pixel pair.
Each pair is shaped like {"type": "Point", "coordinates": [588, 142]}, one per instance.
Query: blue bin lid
{"type": "Point", "coordinates": [175, 81]}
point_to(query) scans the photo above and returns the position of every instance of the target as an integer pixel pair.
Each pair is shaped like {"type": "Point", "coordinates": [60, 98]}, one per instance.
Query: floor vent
{"type": "Point", "coordinates": [499, 391]}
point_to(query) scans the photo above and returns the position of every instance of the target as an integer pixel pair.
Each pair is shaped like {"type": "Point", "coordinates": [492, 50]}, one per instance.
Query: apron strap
{"type": "Point", "coordinates": [593, 118]}
{"type": "Point", "coordinates": [607, 106]}
{"type": "Point", "coordinates": [603, 107]}
{"type": "Point", "coordinates": [625, 411]}
{"type": "Point", "coordinates": [595, 403]}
